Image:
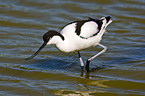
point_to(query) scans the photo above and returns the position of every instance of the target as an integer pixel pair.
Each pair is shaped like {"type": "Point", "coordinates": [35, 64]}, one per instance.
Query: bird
{"type": "Point", "coordinates": [76, 36]}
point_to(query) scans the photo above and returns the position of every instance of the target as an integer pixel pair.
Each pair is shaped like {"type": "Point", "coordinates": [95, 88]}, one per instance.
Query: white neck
{"type": "Point", "coordinates": [55, 40]}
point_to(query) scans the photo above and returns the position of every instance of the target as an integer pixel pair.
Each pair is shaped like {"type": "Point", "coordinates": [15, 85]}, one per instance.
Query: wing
{"type": "Point", "coordinates": [83, 28]}
{"type": "Point", "coordinates": [88, 29]}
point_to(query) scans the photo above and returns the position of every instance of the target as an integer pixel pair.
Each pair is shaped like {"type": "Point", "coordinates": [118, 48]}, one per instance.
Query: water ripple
{"type": "Point", "coordinates": [22, 25]}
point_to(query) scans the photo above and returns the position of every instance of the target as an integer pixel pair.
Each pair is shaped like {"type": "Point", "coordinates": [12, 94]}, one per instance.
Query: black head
{"type": "Point", "coordinates": [46, 37]}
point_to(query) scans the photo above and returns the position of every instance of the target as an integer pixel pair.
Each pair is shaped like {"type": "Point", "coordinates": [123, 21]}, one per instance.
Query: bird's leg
{"type": "Point", "coordinates": [88, 61]}
{"type": "Point", "coordinates": [87, 66]}
{"type": "Point", "coordinates": [105, 48]}
{"type": "Point", "coordinates": [81, 60]}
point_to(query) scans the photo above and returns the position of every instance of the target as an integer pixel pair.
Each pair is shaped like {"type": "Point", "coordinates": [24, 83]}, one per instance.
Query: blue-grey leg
{"type": "Point", "coordinates": [81, 60]}
{"type": "Point", "coordinates": [88, 61]}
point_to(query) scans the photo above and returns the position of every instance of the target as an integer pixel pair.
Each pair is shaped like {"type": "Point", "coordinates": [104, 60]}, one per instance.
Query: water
{"type": "Point", "coordinates": [52, 73]}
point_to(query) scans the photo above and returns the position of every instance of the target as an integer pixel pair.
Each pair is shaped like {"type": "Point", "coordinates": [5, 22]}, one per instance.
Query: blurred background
{"type": "Point", "coordinates": [52, 73]}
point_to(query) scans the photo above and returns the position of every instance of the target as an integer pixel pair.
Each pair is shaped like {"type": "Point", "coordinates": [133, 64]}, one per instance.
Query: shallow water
{"type": "Point", "coordinates": [22, 24]}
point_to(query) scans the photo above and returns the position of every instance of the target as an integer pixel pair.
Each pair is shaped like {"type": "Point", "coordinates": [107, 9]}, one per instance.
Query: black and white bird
{"type": "Point", "coordinates": [76, 36]}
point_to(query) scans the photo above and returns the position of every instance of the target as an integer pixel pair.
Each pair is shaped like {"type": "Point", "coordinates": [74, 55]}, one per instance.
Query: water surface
{"type": "Point", "coordinates": [52, 73]}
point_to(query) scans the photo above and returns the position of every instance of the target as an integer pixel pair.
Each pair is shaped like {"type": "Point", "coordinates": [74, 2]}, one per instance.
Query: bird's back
{"type": "Point", "coordinates": [83, 28]}
{"type": "Point", "coordinates": [83, 34]}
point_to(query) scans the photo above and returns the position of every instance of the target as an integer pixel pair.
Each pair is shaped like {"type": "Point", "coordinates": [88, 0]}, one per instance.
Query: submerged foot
{"type": "Point", "coordinates": [88, 69]}
{"type": "Point", "coordinates": [95, 69]}
{"type": "Point", "coordinates": [87, 66]}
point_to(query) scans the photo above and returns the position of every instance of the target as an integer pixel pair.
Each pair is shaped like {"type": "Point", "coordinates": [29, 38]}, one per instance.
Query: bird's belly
{"type": "Point", "coordinates": [68, 48]}
{"type": "Point", "coordinates": [76, 46]}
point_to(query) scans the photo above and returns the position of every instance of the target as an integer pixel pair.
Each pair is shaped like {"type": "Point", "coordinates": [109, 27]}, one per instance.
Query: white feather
{"type": "Point", "coordinates": [88, 29]}
{"type": "Point", "coordinates": [74, 42]}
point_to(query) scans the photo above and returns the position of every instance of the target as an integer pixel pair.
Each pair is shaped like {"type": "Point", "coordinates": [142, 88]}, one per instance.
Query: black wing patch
{"type": "Point", "coordinates": [99, 22]}
{"type": "Point", "coordinates": [80, 23]}
{"type": "Point", "coordinates": [78, 26]}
